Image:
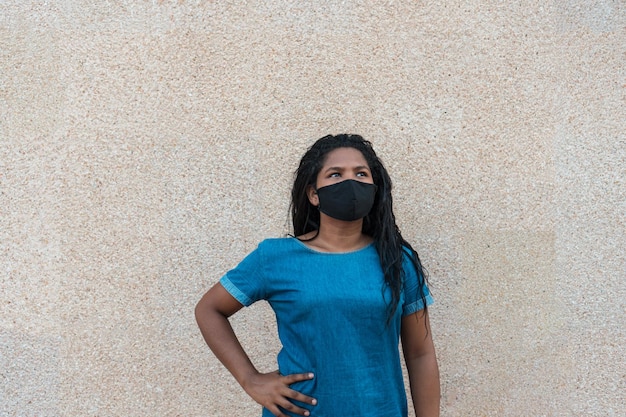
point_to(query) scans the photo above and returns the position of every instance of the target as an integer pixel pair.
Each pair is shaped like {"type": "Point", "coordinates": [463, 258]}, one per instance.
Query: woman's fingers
{"type": "Point", "coordinates": [290, 379]}
{"type": "Point", "coordinates": [298, 396]}
{"type": "Point", "coordinates": [273, 391]}
{"type": "Point", "coordinates": [285, 404]}
{"type": "Point", "coordinates": [291, 407]}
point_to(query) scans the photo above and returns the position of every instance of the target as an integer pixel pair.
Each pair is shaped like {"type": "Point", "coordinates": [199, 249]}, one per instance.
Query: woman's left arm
{"type": "Point", "coordinates": [421, 363]}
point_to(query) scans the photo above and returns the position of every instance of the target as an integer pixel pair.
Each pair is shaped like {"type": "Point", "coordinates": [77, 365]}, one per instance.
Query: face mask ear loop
{"type": "Point", "coordinates": [319, 203]}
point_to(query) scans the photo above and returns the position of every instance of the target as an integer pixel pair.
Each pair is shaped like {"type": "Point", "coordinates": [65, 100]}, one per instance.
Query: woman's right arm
{"type": "Point", "coordinates": [271, 390]}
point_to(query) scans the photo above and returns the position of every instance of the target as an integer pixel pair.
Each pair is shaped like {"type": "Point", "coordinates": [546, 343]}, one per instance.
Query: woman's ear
{"type": "Point", "coordinates": [312, 194]}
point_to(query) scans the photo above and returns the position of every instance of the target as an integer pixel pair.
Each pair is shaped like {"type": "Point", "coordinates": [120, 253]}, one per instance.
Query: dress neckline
{"type": "Point", "coordinates": [320, 252]}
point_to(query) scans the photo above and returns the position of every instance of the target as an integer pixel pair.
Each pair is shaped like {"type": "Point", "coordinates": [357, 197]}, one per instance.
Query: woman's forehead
{"type": "Point", "coordinates": [345, 156]}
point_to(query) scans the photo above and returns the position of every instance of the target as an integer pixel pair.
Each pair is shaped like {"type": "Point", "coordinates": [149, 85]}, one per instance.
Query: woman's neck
{"type": "Point", "coordinates": [339, 236]}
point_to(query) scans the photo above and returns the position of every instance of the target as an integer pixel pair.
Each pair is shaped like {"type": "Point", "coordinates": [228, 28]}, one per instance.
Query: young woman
{"type": "Point", "coordinates": [345, 289]}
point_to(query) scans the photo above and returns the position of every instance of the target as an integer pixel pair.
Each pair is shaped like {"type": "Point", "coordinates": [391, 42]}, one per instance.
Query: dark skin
{"type": "Point", "coordinates": [421, 364]}
{"type": "Point", "coordinates": [272, 390]}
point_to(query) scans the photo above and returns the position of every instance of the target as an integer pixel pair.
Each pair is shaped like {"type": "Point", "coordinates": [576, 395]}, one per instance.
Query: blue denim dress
{"type": "Point", "coordinates": [331, 312]}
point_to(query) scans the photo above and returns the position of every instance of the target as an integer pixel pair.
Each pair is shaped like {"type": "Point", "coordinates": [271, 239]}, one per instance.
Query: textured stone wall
{"type": "Point", "coordinates": [146, 147]}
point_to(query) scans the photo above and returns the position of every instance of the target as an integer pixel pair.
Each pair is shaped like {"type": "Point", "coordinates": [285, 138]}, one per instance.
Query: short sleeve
{"type": "Point", "coordinates": [412, 297]}
{"type": "Point", "coordinates": [245, 282]}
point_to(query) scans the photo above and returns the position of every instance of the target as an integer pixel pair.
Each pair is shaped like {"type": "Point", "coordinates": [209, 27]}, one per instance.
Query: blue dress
{"type": "Point", "coordinates": [331, 313]}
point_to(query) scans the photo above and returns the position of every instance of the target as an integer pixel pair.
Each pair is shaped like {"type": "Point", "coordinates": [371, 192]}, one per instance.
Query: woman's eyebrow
{"type": "Point", "coordinates": [358, 167]}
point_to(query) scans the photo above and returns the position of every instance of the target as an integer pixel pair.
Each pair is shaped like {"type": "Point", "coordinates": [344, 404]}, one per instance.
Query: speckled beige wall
{"type": "Point", "coordinates": [146, 147]}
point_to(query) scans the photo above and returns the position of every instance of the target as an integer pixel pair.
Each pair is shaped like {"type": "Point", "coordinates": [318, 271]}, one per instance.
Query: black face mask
{"type": "Point", "coordinates": [347, 200]}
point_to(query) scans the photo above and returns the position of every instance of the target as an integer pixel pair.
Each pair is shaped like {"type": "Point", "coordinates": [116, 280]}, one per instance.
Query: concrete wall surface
{"type": "Point", "coordinates": [147, 146]}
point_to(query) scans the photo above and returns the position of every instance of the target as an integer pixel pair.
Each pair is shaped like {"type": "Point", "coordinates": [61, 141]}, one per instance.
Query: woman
{"type": "Point", "coordinates": [344, 290]}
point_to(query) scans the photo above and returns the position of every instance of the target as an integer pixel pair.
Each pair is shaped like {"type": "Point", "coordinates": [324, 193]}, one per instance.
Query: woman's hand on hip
{"type": "Point", "coordinates": [272, 390]}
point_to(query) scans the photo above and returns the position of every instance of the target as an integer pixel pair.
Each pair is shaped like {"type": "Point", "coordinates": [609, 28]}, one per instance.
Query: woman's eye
{"type": "Point", "coordinates": [334, 175]}
{"type": "Point", "coordinates": [362, 174]}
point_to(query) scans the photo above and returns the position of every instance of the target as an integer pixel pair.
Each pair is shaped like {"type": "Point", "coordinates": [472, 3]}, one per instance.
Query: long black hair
{"type": "Point", "coordinates": [380, 223]}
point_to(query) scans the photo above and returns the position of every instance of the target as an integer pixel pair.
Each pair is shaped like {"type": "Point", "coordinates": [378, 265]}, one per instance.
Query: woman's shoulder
{"type": "Point", "coordinates": [280, 249]}
{"type": "Point", "coordinates": [277, 244]}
